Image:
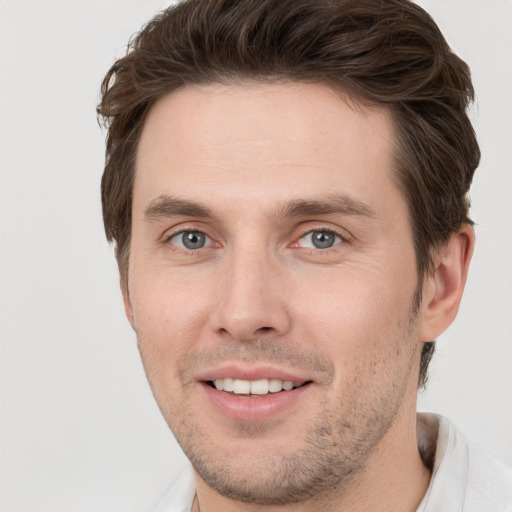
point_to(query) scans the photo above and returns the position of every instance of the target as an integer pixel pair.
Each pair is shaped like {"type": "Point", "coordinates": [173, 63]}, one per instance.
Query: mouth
{"type": "Point", "coordinates": [254, 388]}
{"type": "Point", "coordinates": [255, 393]}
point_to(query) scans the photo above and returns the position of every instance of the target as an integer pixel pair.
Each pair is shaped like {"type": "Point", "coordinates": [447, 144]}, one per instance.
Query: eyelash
{"type": "Point", "coordinates": [167, 240]}
{"type": "Point", "coordinates": [342, 236]}
{"type": "Point", "coordinates": [322, 229]}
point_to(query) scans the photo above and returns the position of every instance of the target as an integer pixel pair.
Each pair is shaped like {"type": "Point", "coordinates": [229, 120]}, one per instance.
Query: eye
{"type": "Point", "coordinates": [321, 239]}
{"type": "Point", "coordinates": [190, 240]}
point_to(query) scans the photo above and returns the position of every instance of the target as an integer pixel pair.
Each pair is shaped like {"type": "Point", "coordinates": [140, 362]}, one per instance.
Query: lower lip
{"type": "Point", "coordinates": [259, 408]}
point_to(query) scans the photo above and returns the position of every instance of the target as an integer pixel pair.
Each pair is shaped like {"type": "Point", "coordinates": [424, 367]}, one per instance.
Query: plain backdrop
{"type": "Point", "coordinates": [79, 428]}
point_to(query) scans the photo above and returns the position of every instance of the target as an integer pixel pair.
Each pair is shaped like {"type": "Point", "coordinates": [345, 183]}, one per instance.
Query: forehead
{"type": "Point", "coordinates": [267, 143]}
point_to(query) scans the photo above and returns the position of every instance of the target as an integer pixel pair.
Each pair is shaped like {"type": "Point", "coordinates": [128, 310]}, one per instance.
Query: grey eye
{"type": "Point", "coordinates": [319, 240]}
{"type": "Point", "coordinates": [190, 240]}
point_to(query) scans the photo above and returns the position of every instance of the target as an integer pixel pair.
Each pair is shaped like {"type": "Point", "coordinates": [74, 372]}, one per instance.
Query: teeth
{"type": "Point", "coordinates": [254, 387]}
{"type": "Point", "coordinates": [259, 387]}
{"type": "Point", "coordinates": [287, 385]}
{"type": "Point", "coordinates": [228, 385]}
{"type": "Point", "coordinates": [275, 385]}
{"type": "Point", "coordinates": [241, 387]}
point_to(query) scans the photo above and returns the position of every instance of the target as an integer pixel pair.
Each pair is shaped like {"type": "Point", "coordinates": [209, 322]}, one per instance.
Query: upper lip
{"type": "Point", "coordinates": [252, 373]}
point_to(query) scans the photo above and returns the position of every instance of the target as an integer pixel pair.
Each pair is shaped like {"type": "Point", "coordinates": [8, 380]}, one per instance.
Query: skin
{"type": "Point", "coordinates": [260, 294]}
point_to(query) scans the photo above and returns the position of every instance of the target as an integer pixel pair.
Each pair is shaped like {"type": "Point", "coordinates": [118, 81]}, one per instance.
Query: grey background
{"type": "Point", "coordinates": [79, 428]}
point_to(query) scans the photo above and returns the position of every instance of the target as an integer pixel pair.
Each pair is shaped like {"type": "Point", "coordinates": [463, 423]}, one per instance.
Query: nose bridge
{"type": "Point", "coordinates": [251, 300]}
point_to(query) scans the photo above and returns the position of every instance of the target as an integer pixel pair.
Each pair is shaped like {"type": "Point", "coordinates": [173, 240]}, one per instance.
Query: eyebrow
{"type": "Point", "coordinates": [165, 206]}
{"type": "Point", "coordinates": [340, 204]}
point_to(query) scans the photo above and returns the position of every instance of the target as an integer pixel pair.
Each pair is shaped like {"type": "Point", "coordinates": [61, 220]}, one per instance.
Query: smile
{"type": "Point", "coordinates": [254, 387]}
{"type": "Point", "coordinates": [255, 400]}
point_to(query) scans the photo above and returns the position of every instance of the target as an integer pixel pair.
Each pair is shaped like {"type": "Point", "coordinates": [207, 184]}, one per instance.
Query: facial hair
{"type": "Point", "coordinates": [335, 449]}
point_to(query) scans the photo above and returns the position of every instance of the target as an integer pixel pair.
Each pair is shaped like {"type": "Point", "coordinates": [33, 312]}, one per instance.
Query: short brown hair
{"type": "Point", "coordinates": [386, 52]}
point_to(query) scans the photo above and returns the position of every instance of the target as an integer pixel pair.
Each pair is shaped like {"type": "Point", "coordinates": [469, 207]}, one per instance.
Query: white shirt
{"type": "Point", "coordinates": [464, 478]}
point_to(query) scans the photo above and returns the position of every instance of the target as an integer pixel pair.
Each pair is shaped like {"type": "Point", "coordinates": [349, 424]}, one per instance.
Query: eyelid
{"type": "Point", "coordinates": [336, 240]}
{"type": "Point", "coordinates": [185, 227]}
{"type": "Point", "coordinates": [208, 240]}
{"type": "Point", "coordinates": [302, 231]}
{"type": "Point", "coordinates": [343, 234]}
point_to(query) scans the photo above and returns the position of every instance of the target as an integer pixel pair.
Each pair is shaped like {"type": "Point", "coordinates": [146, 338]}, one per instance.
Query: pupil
{"type": "Point", "coordinates": [193, 240]}
{"type": "Point", "coordinates": [322, 239]}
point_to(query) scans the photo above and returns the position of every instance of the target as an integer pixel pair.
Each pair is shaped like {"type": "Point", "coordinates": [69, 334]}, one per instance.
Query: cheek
{"type": "Point", "coordinates": [358, 320]}
{"type": "Point", "coordinates": [160, 295]}
{"type": "Point", "coordinates": [347, 302]}
{"type": "Point", "coordinates": [167, 324]}
{"type": "Point", "coordinates": [370, 339]}
{"type": "Point", "coordinates": [169, 315]}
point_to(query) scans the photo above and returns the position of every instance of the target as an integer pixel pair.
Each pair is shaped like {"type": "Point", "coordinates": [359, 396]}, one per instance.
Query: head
{"type": "Point", "coordinates": [388, 67]}
{"type": "Point", "coordinates": [394, 57]}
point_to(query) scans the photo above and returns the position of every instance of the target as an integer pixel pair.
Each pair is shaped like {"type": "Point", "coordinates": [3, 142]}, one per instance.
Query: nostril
{"type": "Point", "coordinates": [265, 329]}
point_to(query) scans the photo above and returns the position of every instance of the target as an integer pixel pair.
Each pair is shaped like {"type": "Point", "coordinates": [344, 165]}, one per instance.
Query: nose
{"type": "Point", "coordinates": [253, 301]}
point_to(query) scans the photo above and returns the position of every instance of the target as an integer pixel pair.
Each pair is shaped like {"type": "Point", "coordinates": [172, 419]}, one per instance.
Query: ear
{"type": "Point", "coordinates": [442, 290]}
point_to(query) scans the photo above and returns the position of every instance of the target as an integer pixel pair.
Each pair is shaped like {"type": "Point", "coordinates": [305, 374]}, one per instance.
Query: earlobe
{"type": "Point", "coordinates": [443, 289]}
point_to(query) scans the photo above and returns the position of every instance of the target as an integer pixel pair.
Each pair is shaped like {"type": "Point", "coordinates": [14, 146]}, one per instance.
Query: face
{"type": "Point", "coordinates": [271, 283]}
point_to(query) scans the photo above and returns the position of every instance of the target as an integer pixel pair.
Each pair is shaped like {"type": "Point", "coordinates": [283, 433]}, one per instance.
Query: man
{"type": "Point", "coordinates": [286, 183]}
